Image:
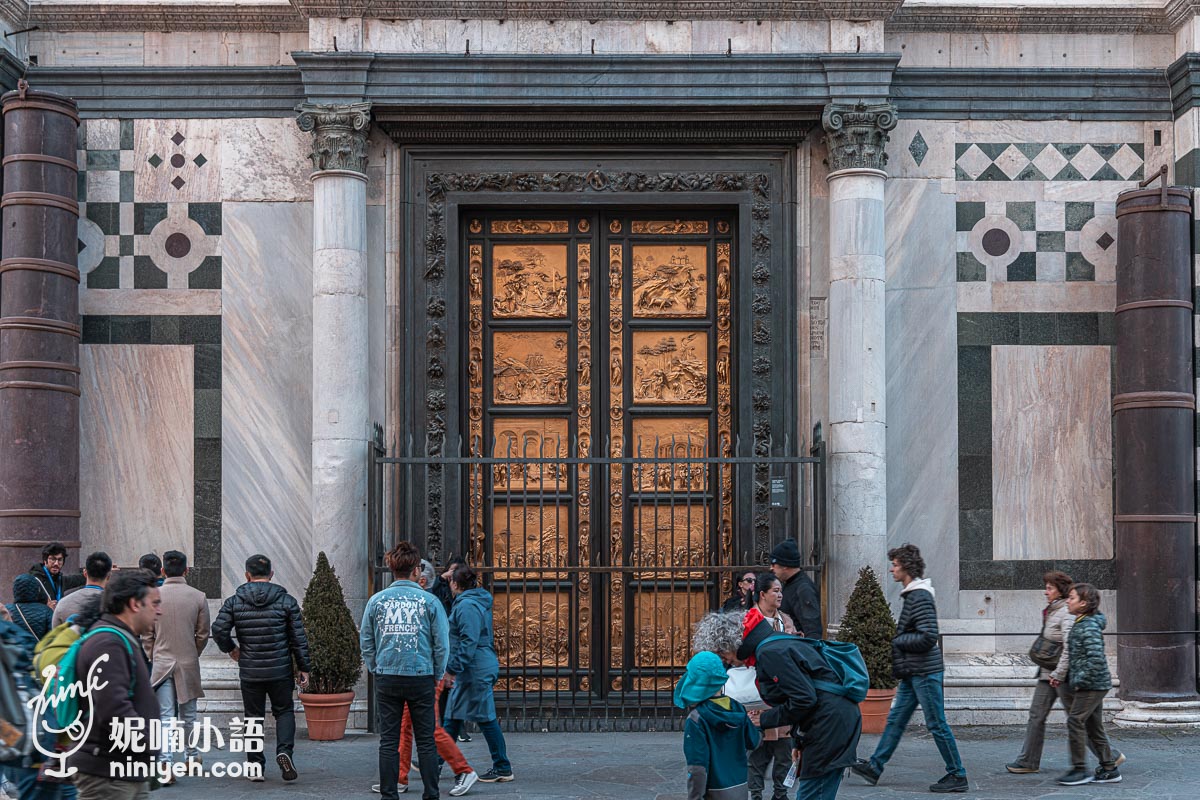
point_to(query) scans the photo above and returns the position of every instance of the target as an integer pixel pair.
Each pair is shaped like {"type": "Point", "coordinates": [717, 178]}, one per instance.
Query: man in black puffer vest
{"type": "Point", "coordinates": [917, 662]}
{"type": "Point", "coordinates": [270, 634]}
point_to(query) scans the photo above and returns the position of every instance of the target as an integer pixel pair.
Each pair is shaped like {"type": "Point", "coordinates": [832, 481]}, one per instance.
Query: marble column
{"type": "Point", "coordinates": [856, 135]}
{"type": "Point", "coordinates": [341, 413]}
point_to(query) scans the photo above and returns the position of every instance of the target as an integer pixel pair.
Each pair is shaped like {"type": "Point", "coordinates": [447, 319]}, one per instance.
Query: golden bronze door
{"type": "Point", "coordinates": [599, 366]}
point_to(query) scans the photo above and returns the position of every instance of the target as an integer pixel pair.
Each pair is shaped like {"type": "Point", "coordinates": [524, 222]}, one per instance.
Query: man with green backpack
{"type": "Point", "coordinates": [106, 762]}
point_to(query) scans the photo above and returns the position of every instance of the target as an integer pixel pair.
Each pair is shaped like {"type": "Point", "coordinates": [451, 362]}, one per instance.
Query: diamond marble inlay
{"type": "Point", "coordinates": [918, 148]}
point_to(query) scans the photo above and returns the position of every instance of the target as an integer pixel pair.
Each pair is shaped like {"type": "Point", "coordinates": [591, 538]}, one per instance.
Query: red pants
{"type": "Point", "coordinates": [446, 747]}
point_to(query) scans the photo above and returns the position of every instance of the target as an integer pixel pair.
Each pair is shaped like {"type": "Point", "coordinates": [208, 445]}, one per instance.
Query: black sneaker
{"type": "Point", "coordinates": [950, 783]}
{"type": "Point", "coordinates": [1017, 768]}
{"type": "Point", "coordinates": [285, 764]}
{"type": "Point", "coordinates": [1107, 775]}
{"type": "Point", "coordinates": [866, 771]}
{"type": "Point", "coordinates": [492, 776]}
{"type": "Point", "coordinates": [464, 737]}
{"type": "Point", "coordinates": [1076, 777]}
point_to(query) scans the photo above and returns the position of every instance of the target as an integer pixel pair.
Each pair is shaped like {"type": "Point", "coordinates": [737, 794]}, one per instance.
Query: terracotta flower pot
{"type": "Point", "coordinates": [326, 714]}
{"type": "Point", "coordinates": [875, 709]}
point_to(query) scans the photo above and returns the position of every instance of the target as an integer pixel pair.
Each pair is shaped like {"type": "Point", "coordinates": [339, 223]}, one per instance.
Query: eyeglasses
{"type": "Point", "coordinates": [746, 580]}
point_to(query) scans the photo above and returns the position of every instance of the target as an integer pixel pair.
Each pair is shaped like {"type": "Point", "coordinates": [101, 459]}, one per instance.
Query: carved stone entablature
{"type": "Point", "coordinates": [857, 134]}
{"type": "Point", "coordinates": [159, 17]}
{"type": "Point", "coordinates": [602, 9]}
{"type": "Point", "coordinates": [339, 135]}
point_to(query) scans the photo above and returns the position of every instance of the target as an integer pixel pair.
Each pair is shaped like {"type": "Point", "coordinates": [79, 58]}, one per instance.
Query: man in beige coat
{"type": "Point", "coordinates": [174, 647]}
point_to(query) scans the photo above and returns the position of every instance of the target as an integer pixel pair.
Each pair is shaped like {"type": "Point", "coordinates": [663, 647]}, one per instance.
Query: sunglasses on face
{"type": "Point", "coordinates": [746, 580]}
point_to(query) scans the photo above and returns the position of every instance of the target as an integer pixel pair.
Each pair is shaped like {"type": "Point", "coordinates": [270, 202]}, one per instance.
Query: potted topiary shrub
{"type": "Point", "coordinates": [333, 649]}
{"type": "Point", "coordinates": [868, 623]}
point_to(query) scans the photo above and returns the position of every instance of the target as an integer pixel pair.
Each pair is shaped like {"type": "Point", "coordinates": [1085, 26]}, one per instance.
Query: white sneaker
{"type": "Point", "coordinates": [255, 773]}
{"type": "Point", "coordinates": [463, 783]}
{"type": "Point", "coordinates": [401, 788]}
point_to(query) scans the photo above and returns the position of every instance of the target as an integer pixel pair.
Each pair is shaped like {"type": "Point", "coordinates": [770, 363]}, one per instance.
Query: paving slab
{"type": "Point", "coordinates": [650, 766]}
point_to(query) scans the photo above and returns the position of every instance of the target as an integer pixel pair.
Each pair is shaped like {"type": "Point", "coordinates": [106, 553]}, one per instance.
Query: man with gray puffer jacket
{"type": "Point", "coordinates": [269, 635]}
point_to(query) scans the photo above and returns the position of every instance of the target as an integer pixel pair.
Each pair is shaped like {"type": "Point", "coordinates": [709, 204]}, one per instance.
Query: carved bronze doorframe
{"type": "Point", "coordinates": [445, 330]}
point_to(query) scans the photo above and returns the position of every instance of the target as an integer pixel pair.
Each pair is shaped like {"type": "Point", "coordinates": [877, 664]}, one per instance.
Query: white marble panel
{"type": "Point", "coordinates": [395, 35]}
{"type": "Point", "coordinates": [252, 171]}
{"type": "Point", "coordinates": [499, 36]}
{"type": "Point", "coordinates": [1031, 296]}
{"type": "Point", "coordinates": [938, 159]}
{"type": "Point", "coordinates": [1022, 131]}
{"type": "Point", "coordinates": [136, 453]}
{"type": "Point", "coordinates": [150, 302]}
{"type": "Point", "coordinates": [289, 43]}
{"type": "Point", "coordinates": [461, 33]}
{"type": "Point", "coordinates": [558, 37]}
{"type": "Point", "coordinates": [87, 49]}
{"type": "Point", "coordinates": [922, 370]}
{"type": "Point", "coordinates": [668, 38]}
{"type": "Point", "coordinates": [614, 36]}
{"type": "Point", "coordinates": [266, 390]}
{"type": "Point", "coordinates": [1003, 191]}
{"type": "Point", "coordinates": [103, 134]}
{"type": "Point", "coordinates": [209, 48]}
{"type": "Point", "coordinates": [177, 160]}
{"type": "Point", "coordinates": [103, 186]}
{"type": "Point", "coordinates": [349, 33]}
{"type": "Point", "coordinates": [855, 36]}
{"type": "Point", "coordinates": [1095, 191]}
{"type": "Point", "coordinates": [1051, 452]}
{"type": "Point", "coordinates": [711, 37]}
{"type": "Point", "coordinates": [919, 49]}
{"type": "Point", "coordinates": [1164, 153]}
{"type": "Point", "coordinates": [799, 36]}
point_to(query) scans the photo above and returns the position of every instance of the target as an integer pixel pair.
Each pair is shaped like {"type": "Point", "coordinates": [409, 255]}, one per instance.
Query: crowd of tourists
{"type": "Point", "coordinates": [767, 700]}
{"type": "Point", "coordinates": [762, 690]}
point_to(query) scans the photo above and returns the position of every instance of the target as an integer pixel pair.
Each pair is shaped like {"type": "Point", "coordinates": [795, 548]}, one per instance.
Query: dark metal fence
{"type": "Point", "coordinates": [599, 565]}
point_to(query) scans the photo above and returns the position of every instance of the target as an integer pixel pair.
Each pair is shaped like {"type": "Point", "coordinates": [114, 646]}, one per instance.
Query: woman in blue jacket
{"type": "Point", "coordinates": [473, 669]}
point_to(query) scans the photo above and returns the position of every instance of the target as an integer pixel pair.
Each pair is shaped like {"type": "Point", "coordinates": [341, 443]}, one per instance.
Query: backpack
{"type": "Point", "coordinates": [65, 708]}
{"type": "Point", "coordinates": [52, 647]}
{"type": "Point", "coordinates": [15, 740]}
{"type": "Point", "coordinates": [846, 662]}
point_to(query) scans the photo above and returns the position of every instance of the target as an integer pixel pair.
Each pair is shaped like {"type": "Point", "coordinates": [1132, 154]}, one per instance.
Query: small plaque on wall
{"type": "Point", "coordinates": [817, 319]}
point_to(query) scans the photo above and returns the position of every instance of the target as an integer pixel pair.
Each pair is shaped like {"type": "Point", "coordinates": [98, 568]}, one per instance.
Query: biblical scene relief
{"type": "Point", "coordinates": [670, 536]}
{"type": "Point", "coordinates": [529, 368]}
{"type": "Point", "coordinates": [670, 438]}
{"type": "Point", "coordinates": [530, 537]}
{"type": "Point", "coordinates": [518, 441]}
{"type": "Point", "coordinates": [668, 226]}
{"type": "Point", "coordinates": [670, 367]}
{"type": "Point", "coordinates": [530, 226]}
{"type": "Point", "coordinates": [663, 623]}
{"type": "Point", "coordinates": [533, 631]}
{"type": "Point", "coordinates": [529, 280]}
{"type": "Point", "coordinates": [669, 280]}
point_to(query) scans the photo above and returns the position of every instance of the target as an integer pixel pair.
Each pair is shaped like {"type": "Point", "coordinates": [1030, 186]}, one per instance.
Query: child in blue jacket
{"type": "Point", "coordinates": [717, 734]}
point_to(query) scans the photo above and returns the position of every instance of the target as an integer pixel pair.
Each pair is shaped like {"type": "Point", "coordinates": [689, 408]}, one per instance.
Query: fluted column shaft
{"type": "Point", "coordinates": [341, 413]}
{"type": "Point", "coordinates": [856, 136]}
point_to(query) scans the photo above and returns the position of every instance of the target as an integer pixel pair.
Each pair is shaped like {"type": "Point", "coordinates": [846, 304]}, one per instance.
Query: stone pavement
{"type": "Point", "coordinates": [649, 766]}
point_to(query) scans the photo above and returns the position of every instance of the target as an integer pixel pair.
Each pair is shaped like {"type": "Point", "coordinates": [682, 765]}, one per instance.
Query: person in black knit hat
{"type": "Point", "coordinates": [801, 601]}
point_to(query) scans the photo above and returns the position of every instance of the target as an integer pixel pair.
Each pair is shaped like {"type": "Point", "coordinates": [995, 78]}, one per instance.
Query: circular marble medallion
{"type": "Point", "coordinates": [996, 241]}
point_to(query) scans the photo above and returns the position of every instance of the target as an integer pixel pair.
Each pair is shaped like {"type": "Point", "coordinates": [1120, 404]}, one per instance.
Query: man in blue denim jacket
{"type": "Point", "coordinates": [405, 641]}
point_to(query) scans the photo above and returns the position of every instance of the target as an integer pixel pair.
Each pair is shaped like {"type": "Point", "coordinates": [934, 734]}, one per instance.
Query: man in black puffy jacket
{"type": "Point", "coordinates": [265, 620]}
{"type": "Point", "coordinates": [917, 662]}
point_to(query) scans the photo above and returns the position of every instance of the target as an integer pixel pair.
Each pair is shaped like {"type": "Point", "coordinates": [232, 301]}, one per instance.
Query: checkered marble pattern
{"type": "Point", "coordinates": [150, 211]}
{"type": "Point", "coordinates": [1042, 240]}
{"type": "Point", "coordinates": [1039, 161]}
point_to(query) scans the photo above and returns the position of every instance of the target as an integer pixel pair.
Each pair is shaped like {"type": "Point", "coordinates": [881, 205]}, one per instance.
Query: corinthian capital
{"type": "Point", "coordinates": [856, 134]}
{"type": "Point", "coordinates": [339, 134]}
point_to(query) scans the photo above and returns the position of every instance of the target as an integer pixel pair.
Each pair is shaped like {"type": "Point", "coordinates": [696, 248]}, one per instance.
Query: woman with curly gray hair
{"type": "Point", "coordinates": [721, 633]}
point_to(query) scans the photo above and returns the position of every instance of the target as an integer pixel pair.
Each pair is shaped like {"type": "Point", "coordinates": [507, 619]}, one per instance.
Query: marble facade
{"type": "Point", "coordinates": [980, 276]}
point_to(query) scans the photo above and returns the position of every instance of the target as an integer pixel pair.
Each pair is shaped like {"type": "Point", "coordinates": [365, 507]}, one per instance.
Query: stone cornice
{"type": "Point", "coordinates": [968, 18]}
{"type": "Point", "coordinates": [1184, 78]}
{"type": "Point", "coordinates": [601, 9]}
{"type": "Point", "coordinates": [14, 10]}
{"type": "Point", "coordinates": [165, 17]}
{"type": "Point", "coordinates": [11, 70]}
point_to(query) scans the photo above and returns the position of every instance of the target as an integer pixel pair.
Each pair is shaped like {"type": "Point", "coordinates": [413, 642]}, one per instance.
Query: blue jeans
{"type": "Point", "coordinates": [168, 709]}
{"type": "Point", "coordinates": [824, 787]}
{"type": "Point", "coordinates": [30, 788]}
{"type": "Point", "coordinates": [925, 691]}
{"type": "Point", "coordinates": [495, 741]}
